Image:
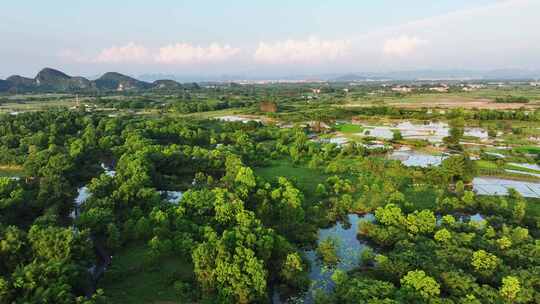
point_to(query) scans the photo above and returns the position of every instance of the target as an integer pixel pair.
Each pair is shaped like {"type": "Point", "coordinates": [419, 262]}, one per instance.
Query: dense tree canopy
{"type": "Point", "coordinates": [95, 186]}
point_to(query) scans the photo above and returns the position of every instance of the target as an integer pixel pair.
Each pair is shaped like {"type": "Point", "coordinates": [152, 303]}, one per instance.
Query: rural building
{"type": "Point", "coordinates": [441, 89]}
{"type": "Point", "coordinates": [402, 89]}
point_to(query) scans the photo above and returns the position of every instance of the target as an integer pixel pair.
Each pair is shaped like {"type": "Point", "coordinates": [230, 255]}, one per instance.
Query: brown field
{"type": "Point", "coordinates": [466, 103]}
{"type": "Point", "coordinates": [449, 102]}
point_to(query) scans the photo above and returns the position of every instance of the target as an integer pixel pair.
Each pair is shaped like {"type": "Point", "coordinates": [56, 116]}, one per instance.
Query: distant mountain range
{"type": "Point", "coordinates": [51, 80]}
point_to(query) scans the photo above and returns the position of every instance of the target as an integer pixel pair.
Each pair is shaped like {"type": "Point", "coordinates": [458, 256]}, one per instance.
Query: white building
{"type": "Point", "coordinates": [402, 89]}
{"type": "Point", "coordinates": [441, 89]}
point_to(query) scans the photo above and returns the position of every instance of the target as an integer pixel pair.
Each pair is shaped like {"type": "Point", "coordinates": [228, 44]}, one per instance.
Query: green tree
{"type": "Point", "coordinates": [518, 213]}
{"type": "Point", "coordinates": [460, 188]}
{"type": "Point", "coordinates": [443, 236]}
{"type": "Point", "coordinates": [396, 135]}
{"type": "Point", "coordinates": [245, 181]}
{"type": "Point", "coordinates": [484, 262]}
{"type": "Point", "coordinates": [421, 222]}
{"type": "Point", "coordinates": [390, 215]}
{"type": "Point", "coordinates": [327, 251]}
{"type": "Point", "coordinates": [418, 281]}
{"type": "Point", "coordinates": [510, 288]}
{"type": "Point", "coordinates": [293, 271]}
{"type": "Point", "coordinates": [504, 243]}
{"type": "Point", "coordinates": [233, 265]}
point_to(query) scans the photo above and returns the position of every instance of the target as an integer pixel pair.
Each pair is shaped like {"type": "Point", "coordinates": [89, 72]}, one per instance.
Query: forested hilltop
{"type": "Point", "coordinates": [53, 81]}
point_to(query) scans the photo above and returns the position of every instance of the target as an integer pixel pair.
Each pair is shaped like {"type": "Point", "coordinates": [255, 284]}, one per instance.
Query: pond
{"type": "Point", "coordinates": [83, 193]}
{"type": "Point", "coordinates": [499, 186]}
{"type": "Point", "coordinates": [349, 251]}
{"type": "Point", "coordinates": [236, 118]}
{"type": "Point", "coordinates": [433, 132]}
{"type": "Point", "coordinates": [474, 218]}
{"type": "Point", "coordinates": [108, 170]}
{"type": "Point", "coordinates": [172, 197]}
{"type": "Point", "coordinates": [412, 158]}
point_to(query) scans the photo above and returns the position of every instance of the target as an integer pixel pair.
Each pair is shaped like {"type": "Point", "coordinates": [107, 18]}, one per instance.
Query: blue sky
{"type": "Point", "coordinates": [266, 37]}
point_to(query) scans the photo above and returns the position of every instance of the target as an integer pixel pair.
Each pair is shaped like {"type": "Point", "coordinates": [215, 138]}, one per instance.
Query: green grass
{"type": "Point", "coordinates": [490, 168]}
{"type": "Point", "coordinates": [349, 128]}
{"type": "Point", "coordinates": [29, 106]}
{"type": "Point", "coordinates": [528, 149]}
{"type": "Point", "coordinates": [533, 206]}
{"type": "Point", "coordinates": [211, 114]}
{"type": "Point", "coordinates": [421, 198]}
{"type": "Point", "coordinates": [519, 168]}
{"type": "Point", "coordinates": [486, 164]}
{"type": "Point", "coordinates": [130, 280]}
{"type": "Point", "coordinates": [305, 178]}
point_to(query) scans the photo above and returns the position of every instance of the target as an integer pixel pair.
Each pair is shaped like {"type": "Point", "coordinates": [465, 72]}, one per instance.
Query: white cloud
{"type": "Point", "coordinates": [312, 50]}
{"type": "Point", "coordinates": [72, 56]}
{"type": "Point", "coordinates": [472, 38]}
{"type": "Point", "coordinates": [185, 53]}
{"type": "Point", "coordinates": [402, 46]}
{"type": "Point", "coordinates": [129, 53]}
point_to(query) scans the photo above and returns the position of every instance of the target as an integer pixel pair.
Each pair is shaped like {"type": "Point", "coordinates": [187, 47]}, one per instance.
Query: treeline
{"type": "Point", "coordinates": [512, 99]}
{"type": "Point", "coordinates": [194, 106]}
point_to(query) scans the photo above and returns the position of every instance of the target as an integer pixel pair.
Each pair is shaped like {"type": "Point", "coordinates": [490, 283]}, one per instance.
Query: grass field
{"type": "Point", "coordinates": [129, 280]}
{"type": "Point", "coordinates": [533, 206]}
{"type": "Point", "coordinates": [305, 178]}
{"type": "Point", "coordinates": [519, 168]}
{"type": "Point", "coordinates": [349, 128]}
{"type": "Point", "coordinates": [490, 168]}
{"type": "Point", "coordinates": [35, 105]}
{"type": "Point", "coordinates": [528, 149]}
{"type": "Point", "coordinates": [422, 198]}
{"type": "Point", "coordinates": [485, 164]}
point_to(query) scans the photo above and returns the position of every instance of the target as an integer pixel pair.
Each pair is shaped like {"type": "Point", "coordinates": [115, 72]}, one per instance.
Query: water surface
{"type": "Point", "coordinates": [411, 158]}
{"type": "Point", "coordinates": [349, 251]}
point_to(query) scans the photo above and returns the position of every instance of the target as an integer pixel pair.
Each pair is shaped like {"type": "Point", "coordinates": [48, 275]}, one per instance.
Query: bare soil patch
{"type": "Point", "coordinates": [455, 102]}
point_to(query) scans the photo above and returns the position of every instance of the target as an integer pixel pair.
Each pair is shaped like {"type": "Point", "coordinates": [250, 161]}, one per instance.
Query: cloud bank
{"type": "Point", "coordinates": [177, 54]}
{"type": "Point", "coordinates": [312, 50]}
{"type": "Point", "coordinates": [185, 53]}
{"type": "Point", "coordinates": [402, 46]}
{"type": "Point", "coordinates": [129, 53]}
{"type": "Point", "coordinates": [498, 35]}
